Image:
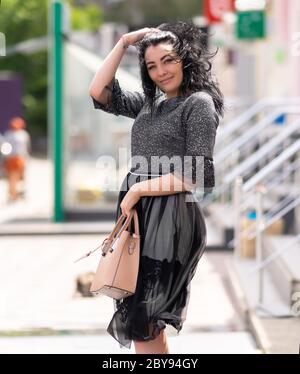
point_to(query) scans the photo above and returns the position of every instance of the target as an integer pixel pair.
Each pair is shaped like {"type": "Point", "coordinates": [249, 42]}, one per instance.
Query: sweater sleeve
{"type": "Point", "coordinates": [200, 122]}
{"type": "Point", "coordinates": [120, 101]}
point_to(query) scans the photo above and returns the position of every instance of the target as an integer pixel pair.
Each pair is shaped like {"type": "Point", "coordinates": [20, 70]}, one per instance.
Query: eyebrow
{"type": "Point", "coordinates": [169, 54]}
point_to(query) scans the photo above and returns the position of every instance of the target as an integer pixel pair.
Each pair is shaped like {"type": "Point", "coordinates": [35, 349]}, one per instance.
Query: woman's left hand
{"type": "Point", "coordinates": [130, 199]}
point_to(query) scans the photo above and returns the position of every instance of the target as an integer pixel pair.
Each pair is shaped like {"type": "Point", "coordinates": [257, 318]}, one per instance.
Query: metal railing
{"type": "Point", "coordinates": [264, 220]}
{"type": "Point", "coordinates": [258, 177]}
{"type": "Point", "coordinates": [242, 201]}
{"type": "Point", "coordinates": [274, 182]}
{"type": "Point", "coordinates": [255, 130]}
{"type": "Point", "coordinates": [254, 160]}
{"type": "Point", "coordinates": [253, 111]}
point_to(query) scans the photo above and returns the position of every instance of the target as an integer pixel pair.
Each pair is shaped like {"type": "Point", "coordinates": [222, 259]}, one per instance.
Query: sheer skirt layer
{"type": "Point", "coordinates": [173, 239]}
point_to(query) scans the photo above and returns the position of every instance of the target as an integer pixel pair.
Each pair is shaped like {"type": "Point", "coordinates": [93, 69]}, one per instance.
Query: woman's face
{"type": "Point", "coordinates": [164, 68]}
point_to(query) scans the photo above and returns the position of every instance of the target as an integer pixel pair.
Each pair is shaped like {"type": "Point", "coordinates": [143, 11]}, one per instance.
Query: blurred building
{"type": "Point", "coordinates": [260, 46]}
{"type": "Point", "coordinates": [10, 98]}
{"type": "Point", "coordinates": [257, 58]}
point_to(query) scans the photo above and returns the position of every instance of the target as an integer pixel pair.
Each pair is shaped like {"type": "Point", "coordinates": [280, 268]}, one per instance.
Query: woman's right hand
{"type": "Point", "coordinates": [134, 36]}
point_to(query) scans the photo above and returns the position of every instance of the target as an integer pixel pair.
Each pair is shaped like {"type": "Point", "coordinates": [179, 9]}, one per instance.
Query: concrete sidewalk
{"type": "Point", "coordinates": [184, 343]}
{"type": "Point", "coordinates": [39, 296]}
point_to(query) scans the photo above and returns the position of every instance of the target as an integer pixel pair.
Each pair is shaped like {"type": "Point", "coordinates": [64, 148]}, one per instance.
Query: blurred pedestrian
{"type": "Point", "coordinates": [18, 140]}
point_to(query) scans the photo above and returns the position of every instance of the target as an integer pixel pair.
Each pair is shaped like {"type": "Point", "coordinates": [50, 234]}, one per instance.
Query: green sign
{"type": "Point", "coordinates": [250, 24]}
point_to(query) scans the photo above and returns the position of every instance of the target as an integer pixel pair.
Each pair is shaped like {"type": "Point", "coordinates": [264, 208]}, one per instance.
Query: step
{"type": "Point", "coordinates": [244, 277]}
{"type": "Point", "coordinates": [285, 269]}
{"type": "Point", "coordinates": [222, 216]}
{"type": "Point", "coordinates": [214, 234]}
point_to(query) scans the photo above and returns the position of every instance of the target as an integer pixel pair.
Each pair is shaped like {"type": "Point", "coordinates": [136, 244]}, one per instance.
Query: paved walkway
{"type": "Point", "coordinates": [193, 343]}
{"type": "Point", "coordinates": [39, 296]}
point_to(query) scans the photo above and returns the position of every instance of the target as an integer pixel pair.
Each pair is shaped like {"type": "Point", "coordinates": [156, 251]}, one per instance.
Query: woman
{"type": "Point", "coordinates": [176, 118]}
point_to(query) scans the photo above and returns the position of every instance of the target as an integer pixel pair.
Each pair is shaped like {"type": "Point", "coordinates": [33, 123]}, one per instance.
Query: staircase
{"type": "Point", "coordinates": [236, 194]}
{"type": "Point", "coordinates": [284, 271]}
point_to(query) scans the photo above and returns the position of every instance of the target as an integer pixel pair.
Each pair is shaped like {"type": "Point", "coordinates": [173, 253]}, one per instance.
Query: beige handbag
{"type": "Point", "coordinates": [116, 275]}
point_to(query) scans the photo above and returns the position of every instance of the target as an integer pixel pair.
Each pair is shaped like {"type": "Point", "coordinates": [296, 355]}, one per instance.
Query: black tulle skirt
{"type": "Point", "coordinates": [173, 239]}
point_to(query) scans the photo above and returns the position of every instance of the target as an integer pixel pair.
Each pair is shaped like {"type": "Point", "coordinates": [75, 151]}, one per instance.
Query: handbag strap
{"type": "Point", "coordinates": [107, 242]}
{"type": "Point", "coordinates": [112, 239]}
{"type": "Point", "coordinates": [133, 214]}
{"type": "Point", "coordinates": [117, 230]}
{"type": "Point", "coordinates": [136, 224]}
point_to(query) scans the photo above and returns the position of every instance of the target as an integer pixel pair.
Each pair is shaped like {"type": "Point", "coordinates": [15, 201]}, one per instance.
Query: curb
{"type": "Point", "coordinates": [238, 292]}
{"type": "Point", "coordinates": [56, 229]}
{"type": "Point", "coordinates": [258, 331]}
{"type": "Point", "coordinates": [249, 317]}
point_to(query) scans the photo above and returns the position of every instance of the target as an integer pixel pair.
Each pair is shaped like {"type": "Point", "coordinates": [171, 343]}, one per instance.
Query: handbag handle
{"type": "Point", "coordinates": [133, 214]}
{"type": "Point", "coordinates": [119, 222]}
{"type": "Point", "coordinates": [107, 242]}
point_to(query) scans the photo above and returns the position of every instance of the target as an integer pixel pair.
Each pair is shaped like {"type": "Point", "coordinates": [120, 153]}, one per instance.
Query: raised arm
{"type": "Point", "coordinates": [106, 73]}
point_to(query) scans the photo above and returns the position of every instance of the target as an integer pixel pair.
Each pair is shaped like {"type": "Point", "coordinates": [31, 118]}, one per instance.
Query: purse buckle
{"type": "Point", "coordinates": [103, 247]}
{"type": "Point", "coordinates": [131, 247]}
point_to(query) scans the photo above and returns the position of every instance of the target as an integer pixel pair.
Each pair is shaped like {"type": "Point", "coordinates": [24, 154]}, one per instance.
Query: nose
{"type": "Point", "coordinates": [161, 71]}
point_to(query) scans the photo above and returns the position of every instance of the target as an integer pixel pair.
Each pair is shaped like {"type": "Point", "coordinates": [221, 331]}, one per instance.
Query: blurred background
{"type": "Point", "coordinates": [49, 52]}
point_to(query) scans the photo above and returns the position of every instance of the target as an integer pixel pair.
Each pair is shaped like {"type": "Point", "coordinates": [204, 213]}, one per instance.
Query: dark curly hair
{"type": "Point", "coordinates": [188, 43]}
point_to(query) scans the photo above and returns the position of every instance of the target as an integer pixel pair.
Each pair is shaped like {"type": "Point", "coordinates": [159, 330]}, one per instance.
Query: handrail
{"type": "Point", "coordinates": [271, 166]}
{"type": "Point", "coordinates": [280, 206]}
{"type": "Point", "coordinates": [275, 217]}
{"type": "Point", "coordinates": [252, 235]}
{"type": "Point", "coordinates": [256, 157]}
{"type": "Point", "coordinates": [273, 183]}
{"type": "Point", "coordinates": [223, 188]}
{"type": "Point", "coordinates": [254, 130]}
{"type": "Point", "coordinates": [288, 170]}
{"type": "Point", "coordinates": [238, 122]}
{"type": "Point", "coordinates": [275, 255]}
{"type": "Point", "coordinates": [268, 169]}
{"type": "Point", "coordinates": [260, 226]}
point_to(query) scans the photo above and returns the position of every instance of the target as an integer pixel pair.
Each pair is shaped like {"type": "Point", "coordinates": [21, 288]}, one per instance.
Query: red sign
{"type": "Point", "coordinates": [214, 9]}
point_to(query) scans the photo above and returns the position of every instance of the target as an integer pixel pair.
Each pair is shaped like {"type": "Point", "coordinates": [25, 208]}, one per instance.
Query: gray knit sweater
{"type": "Point", "coordinates": [177, 136]}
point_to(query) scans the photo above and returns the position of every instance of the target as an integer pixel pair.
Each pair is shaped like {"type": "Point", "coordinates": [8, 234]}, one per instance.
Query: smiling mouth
{"type": "Point", "coordinates": [165, 81]}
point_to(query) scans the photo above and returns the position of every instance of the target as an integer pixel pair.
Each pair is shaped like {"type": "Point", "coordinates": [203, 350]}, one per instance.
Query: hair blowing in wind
{"type": "Point", "coordinates": [188, 43]}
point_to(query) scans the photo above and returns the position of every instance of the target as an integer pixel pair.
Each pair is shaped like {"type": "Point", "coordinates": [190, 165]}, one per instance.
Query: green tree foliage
{"type": "Point", "coordinates": [23, 20]}
{"type": "Point", "coordinates": [19, 21]}
{"type": "Point", "coordinates": [152, 12]}
{"type": "Point", "coordinates": [88, 17]}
